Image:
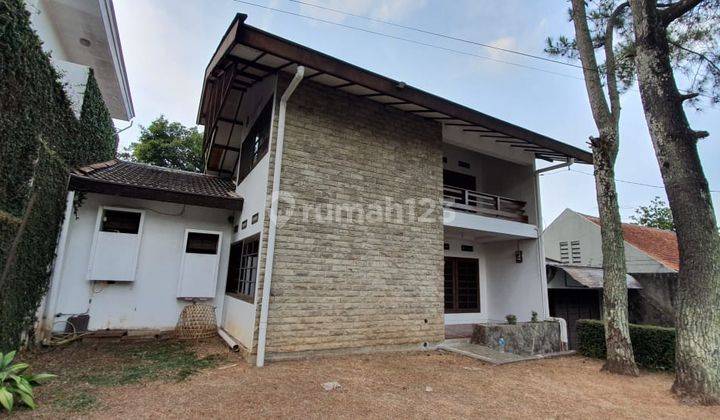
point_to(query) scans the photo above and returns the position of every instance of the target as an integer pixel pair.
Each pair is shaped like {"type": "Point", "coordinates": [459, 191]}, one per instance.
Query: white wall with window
{"type": "Point", "coordinates": [252, 174]}
{"type": "Point", "coordinates": [488, 276]}
{"type": "Point", "coordinates": [134, 264]}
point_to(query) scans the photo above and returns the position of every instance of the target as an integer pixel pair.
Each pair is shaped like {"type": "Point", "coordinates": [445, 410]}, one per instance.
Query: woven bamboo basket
{"type": "Point", "coordinates": [197, 321]}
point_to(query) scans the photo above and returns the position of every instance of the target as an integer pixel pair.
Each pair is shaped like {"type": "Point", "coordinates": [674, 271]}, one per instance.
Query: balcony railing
{"type": "Point", "coordinates": [484, 204]}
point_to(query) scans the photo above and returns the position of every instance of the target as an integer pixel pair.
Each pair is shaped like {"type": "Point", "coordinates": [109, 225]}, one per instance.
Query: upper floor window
{"type": "Point", "coordinates": [255, 144]}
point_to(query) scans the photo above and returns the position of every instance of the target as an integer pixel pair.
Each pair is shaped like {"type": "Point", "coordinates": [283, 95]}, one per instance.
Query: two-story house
{"type": "Point", "coordinates": [340, 211]}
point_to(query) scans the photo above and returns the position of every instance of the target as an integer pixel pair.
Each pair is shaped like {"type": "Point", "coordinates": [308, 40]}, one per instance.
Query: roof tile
{"type": "Point", "coordinates": [659, 244]}
{"type": "Point", "coordinates": [155, 177]}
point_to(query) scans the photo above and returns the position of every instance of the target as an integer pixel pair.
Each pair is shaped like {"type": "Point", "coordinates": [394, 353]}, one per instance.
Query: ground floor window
{"type": "Point", "coordinates": [462, 285]}
{"type": "Point", "coordinates": [242, 269]}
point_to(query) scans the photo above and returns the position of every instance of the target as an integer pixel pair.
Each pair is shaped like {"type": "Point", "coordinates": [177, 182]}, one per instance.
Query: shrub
{"type": "Point", "coordinates": [16, 386]}
{"type": "Point", "coordinates": [654, 347]}
{"type": "Point", "coordinates": [511, 319]}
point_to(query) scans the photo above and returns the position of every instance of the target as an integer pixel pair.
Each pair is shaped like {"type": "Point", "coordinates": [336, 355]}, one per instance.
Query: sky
{"type": "Point", "coordinates": [167, 45]}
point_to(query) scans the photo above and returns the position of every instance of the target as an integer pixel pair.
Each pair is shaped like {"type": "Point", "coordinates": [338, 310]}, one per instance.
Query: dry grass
{"type": "Point", "coordinates": [380, 385]}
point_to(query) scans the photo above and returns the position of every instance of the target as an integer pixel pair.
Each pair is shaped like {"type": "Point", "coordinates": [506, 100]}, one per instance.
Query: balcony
{"type": "Point", "coordinates": [468, 201]}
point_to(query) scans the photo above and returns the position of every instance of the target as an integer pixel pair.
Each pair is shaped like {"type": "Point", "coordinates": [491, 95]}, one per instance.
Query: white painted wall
{"type": "Point", "coordinates": [506, 287]}
{"type": "Point", "coordinates": [514, 288]}
{"type": "Point", "coordinates": [150, 301]}
{"type": "Point", "coordinates": [571, 226]}
{"type": "Point", "coordinates": [74, 78]}
{"type": "Point", "coordinates": [479, 223]}
{"type": "Point", "coordinates": [41, 22]}
{"type": "Point", "coordinates": [61, 23]}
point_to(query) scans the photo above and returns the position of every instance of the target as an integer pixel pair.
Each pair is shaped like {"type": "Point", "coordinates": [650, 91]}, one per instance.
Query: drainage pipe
{"type": "Point", "coordinates": [267, 278]}
{"type": "Point", "coordinates": [558, 166]}
{"type": "Point", "coordinates": [234, 346]}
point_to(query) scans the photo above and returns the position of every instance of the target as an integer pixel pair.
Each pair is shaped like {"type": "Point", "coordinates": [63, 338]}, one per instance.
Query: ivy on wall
{"type": "Point", "coordinates": [96, 125]}
{"type": "Point", "coordinates": [40, 139]}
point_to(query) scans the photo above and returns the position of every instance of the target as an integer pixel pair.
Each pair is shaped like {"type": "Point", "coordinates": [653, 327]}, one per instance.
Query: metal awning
{"type": "Point", "coordinates": [246, 55]}
{"type": "Point", "coordinates": [591, 277]}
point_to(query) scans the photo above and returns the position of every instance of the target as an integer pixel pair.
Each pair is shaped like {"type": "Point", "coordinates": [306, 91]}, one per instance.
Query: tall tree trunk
{"type": "Point", "coordinates": [697, 311]}
{"type": "Point", "coordinates": [620, 358]}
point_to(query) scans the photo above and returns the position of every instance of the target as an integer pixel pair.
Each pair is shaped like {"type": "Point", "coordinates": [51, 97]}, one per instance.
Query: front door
{"type": "Point", "coordinates": [462, 285]}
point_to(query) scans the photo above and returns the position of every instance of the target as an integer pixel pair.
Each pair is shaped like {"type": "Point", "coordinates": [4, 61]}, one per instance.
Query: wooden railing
{"type": "Point", "coordinates": [484, 204]}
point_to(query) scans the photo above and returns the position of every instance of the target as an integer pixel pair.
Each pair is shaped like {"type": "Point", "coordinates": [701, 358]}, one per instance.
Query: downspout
{"type": "Point", "coordinates": [272, 231]}
{"type": "Point", "coordinates": [562, 324]}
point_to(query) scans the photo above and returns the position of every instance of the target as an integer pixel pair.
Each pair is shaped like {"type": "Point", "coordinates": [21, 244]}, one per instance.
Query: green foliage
{"type": "Point", "coordinates": [99, 138]}
{"type": "Point", "coordinates": [40, 138]}
{"type": "Point", "coordinates": [172, 361]}
{"type": "Point", "coordinates": [694, 40]}
{"type": "Point", "coordinates": [168, 144]}
{"type": "Point", "coordinates": [654, 347]}
{"type": "Point", "coordinates": [657, 215]}
{"type": "Point", "coordinates": [75, 401]}
{"type": "Point", "coordinates": [16, 387]}
{"type": "Point", "coordinates": [511, 319]}
{"type": "Point", "coordinates": [533, 316]}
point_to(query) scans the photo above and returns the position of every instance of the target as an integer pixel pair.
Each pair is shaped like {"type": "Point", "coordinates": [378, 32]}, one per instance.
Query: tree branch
{"type": "Point", "coordinates": [699, 54]}
{"type": "Point", "coordinates": [586, 51]}
{"type": "Point", "coordinates": [676, 10]}
{"type": "Point", "coordinates": [700, 134]}
{"type": "Point", "coordinates": [611, 70]}
{"type": "Point", "coordinates": [684, 97]}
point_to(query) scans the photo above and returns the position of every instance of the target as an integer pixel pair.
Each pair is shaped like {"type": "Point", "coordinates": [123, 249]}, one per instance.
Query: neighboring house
{"type": "Point", "coordinates": [576, 292]}
{"type": "Point", "coordinates": [399, 212]}
{"type": "Point", "coordinates": [81, 35]}
{"type": "Point", "coordinates": [573, 243]}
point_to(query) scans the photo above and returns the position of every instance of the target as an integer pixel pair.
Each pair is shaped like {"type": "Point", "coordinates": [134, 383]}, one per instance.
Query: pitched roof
{"type": "Point", "coordinates": [659, 244]}
{"type": "Point", "coordinates": [246, 55]}
{"type": "Point", "coordinates": [592, 277]}
{"type": "Point", "coordinates": [129, 179]}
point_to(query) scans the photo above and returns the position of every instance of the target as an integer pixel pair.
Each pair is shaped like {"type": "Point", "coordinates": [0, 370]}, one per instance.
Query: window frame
{"type": "Point", "coordinates": [188, 232]}
{"type": "Point", "coordinates": [455, 286]}
{"type": "Point", "coordinates": [258, 152]}
{"type": "Point", "coordinates": [249, 265]}
{"type": "Point", "coordinates": [98, 230]}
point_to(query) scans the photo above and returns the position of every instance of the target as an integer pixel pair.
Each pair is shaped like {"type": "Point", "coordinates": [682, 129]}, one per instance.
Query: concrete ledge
{"type": "Point", "coordinates": [488, 355]}
{"type": "Point", "coordinates": [275, 357]}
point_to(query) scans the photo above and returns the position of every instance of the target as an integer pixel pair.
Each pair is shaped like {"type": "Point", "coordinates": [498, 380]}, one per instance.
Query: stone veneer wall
{"type": "Point", "coordinates": [341, 286]}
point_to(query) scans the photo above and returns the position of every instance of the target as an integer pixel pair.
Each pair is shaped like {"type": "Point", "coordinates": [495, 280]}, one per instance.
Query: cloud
{"type": "Point", "coordinates": [397, 9]}
{"type": "Point", "coordinates": [506, 43]}
{"type": "Point", "coordinates": [393, 10]}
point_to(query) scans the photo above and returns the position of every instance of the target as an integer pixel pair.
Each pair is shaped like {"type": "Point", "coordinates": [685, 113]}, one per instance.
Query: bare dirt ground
{"type": "Point", "coordinates": [217, 384]}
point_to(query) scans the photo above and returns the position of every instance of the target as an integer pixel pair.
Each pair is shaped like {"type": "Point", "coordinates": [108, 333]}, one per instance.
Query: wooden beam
{"type": "Point", "coordinates": [282, 48]}
{"type": "Point", "coordinates": [253, 64]}
{"type": "Point", "coordinates": [229, 120]}
{"type": "Point", "coordinates": [344, 85]}
{"type": "Point", "coordinates": [228, 148]}
{"type": "Point", "coordinates": [513, 141]}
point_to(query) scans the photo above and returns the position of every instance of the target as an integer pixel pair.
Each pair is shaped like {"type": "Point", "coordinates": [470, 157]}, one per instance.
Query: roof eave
{"type": "Point", "coordinates": [239, 32]}
{"type": "Point", "coordinates": [85, 184]}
